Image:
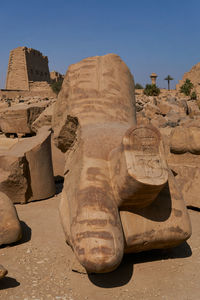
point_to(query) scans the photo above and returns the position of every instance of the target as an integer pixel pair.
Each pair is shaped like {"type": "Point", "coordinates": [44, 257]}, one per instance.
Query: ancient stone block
{"type": "Point", "coordinates": [184, 160]}
{"type": "Point", "coordinates": [163, 224]}
{"type": "Point", "coordinates": [3, 272]}
{"type": "Point", "coordinates": [185, 139]}
{"type": "Point", "coordinates": [10, 229]}
{"type": "Point", "coordinates": [44, 119]}
{"type": "Point", "coordinates": [19, 118]}
{"type": "Point", "coordinates": [26, 168]}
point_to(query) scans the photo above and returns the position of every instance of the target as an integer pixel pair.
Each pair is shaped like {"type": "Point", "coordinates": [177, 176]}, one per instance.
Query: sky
{"type": "Point", "coordinates": [149, 35]}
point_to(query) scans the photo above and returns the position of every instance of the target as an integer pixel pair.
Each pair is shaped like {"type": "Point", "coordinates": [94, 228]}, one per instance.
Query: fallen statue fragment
{"type": "Point", "coordinates": [119, 195]}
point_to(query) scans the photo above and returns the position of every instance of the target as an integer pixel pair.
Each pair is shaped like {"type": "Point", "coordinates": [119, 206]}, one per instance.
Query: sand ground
{"type": "Point", "coordinates": [40, 265]}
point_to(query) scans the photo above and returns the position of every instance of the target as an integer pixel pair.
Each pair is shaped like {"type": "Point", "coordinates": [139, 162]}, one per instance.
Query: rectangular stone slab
{"type": "Point", "coordinates": [163, 224]}
{"type": "Point", "coordinates": [18, 118]}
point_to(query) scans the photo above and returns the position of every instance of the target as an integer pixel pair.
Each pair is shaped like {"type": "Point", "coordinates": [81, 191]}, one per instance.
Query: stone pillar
{"type": "Point", "coordinates": [153, 77]}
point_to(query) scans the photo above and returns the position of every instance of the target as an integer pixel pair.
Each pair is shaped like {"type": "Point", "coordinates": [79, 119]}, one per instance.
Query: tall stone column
{"type": "Point", "coordinates": [153, 77]}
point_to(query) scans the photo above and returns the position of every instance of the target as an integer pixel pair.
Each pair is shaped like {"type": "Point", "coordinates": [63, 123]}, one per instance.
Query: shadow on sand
{"type": "Point", "coordinates": [122, 275]}
{"type": "Point", "coordinates": [8, 282]}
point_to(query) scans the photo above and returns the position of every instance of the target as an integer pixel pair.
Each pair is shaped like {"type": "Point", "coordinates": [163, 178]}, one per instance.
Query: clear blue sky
{"type": "Point", "coordinates": [149, 35]}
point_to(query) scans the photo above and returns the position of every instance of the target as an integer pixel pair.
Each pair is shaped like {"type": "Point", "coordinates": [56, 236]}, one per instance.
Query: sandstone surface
{"type": "Point", "coordinates": [26, 167]}
{"type": "Point", "coordinates": [184, 160]}
{"type": "Point", "coordinates": [3, 272]}
{"type": "Point", "coordinates": [94, 124]}
{"type": "Point", "coordinates": [19, 118]}
{"type": "Point", "coordinates": [10, 229]}
{"type": "Point", "coordinates": [194, 76]}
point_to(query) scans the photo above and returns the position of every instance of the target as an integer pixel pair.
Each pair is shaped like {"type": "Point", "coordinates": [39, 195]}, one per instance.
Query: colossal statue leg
{"type": "Point", "coordinates": [111, 164]}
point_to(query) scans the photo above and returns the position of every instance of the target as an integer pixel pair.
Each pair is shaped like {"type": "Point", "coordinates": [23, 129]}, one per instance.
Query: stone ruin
{"type": "Point", "coordinates": [123, 177]}
{"type": "Point", "coordinates": [194, 76]}
{"type": "Point", "coordinates": [26, 67]}
{"type": "Point", "coordinates": [28, 73]}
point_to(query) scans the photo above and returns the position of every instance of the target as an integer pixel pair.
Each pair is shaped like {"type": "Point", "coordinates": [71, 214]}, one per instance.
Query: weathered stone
{"type": "Point", "coordinates": [19, 118]}
{"type": "Point", "coordinates": [58, 159]}
{"type": "Point", "coordinates": [151, 110]}
{"type": "Point", "coordinates": [173, 119]}
{"type": "Point", "coordinates": [159, 121]}
{"type": "Point", "coordinates": [111, 164]}
{"type": "Point", "coordinates": [96, 237]}
{"type": "Point", "coordinates": [3, 272]}
{"type": "Point", "coordinates": [193, 75]}
{"type": "Point", "coordinates": [193, 108]}
{"type": "Point", "coordinates": [44, 119]}
{"type": "Point", "coordinates": [138, 168]}
{"type": "Point", "coordinates": [25, 68]}
{"type": "Point", "coordinates": [185, 139]}
{"type": "Point", "coordinates": [184, 160]}
{"type": "Point", "coordinates": [163, 224]}
{"type": "Point", "coordinates": [10, 229]}
{"type": "Point", "coordinates": [26, 168]}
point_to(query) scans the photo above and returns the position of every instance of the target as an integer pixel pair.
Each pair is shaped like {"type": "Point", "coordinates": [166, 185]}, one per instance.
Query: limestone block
{"type": "Point", "coordinates": [58, 159]}
{"type": "Point", "coordinates": [10, 229]}
{"type": "Point", "coordinates": [163, 224]}
{"type": "Point", "coordinates": [3, 272]}
{"type": "Point", "coordinates": [44, 119]}
{"type": "Point", "coordinates": [13, 176]}
{"type": "Point", "coordinates": [193, 108]}
{"type": "Point", "coordinates": [159, 121]}
{"type": "Point", "coordinates": [184, 160]}
{"type": "Point", "coordinates": [165, 107]}
{"type": "Point", "coordinates": [111, 164]}
{"type": "Point", "coordinates": [18, 118]}
{"type": "Point", "coordinates": [151, 110]}
{"type": "Point", "coordinates": [26, 168]}
{"type": "Point", "coordinates": [185, 139]}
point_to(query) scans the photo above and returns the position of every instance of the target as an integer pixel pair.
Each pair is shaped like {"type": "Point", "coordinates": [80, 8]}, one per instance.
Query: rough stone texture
{"type": "Point", "coordinates": [94, 124]}
{"type": "Point", "coordinates": [19, 118]}
{"type": "Point", "coordinates": [184, 160]}
{"type": "Point", "coordinates": [163, 224]}
{"type": "Point", "coordinates": [26, 65]}
{"type": "Point", "coordinates": [58, 159]}
{"type": "Point", "coordinates": [26, 172]}
{"type": "Point", "coordinates": [194, 76]}
{"type": "Point", "coordinates": [3, 272]}
{"type": "Point", "coordinates": [178, 120]}
{"type": "Point", "coordinates": [10, 229]}
{"type": "Point", "coordinates": [44, 119]}
{"type": "Point", "coordinates": [56, 76]}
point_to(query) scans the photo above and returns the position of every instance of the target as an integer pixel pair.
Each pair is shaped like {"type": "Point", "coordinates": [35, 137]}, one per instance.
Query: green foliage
{"type": "Point", "coordinates": [138, 86]}
{"type": "Point", "coordinates": [193, 96]}
{"type": "Point", "coordinates": [151, 90]}
{"type": "Point", "coordinates": [186, 87]}
{"type": "Point", "coordinates": [56, 86]}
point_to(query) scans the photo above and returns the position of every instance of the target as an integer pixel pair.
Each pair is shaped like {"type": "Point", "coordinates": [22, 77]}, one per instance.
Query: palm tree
{"type": "Point", "coordinates": [168, 78]}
